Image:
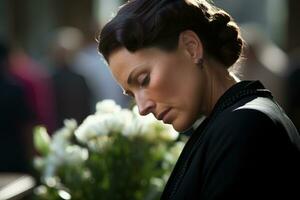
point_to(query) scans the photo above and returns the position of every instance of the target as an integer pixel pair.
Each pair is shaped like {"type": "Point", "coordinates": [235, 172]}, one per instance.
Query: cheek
{"type": "Point", "coordinates": [164, 85]}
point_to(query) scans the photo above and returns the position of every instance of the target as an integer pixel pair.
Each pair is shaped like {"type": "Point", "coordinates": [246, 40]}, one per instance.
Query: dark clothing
{"type": "Point", "coordinates": [293, 95]}
{"type": "Point", "coordinates": [14, 117]}
{"type": "Point", "coordinates": [246, 149]}
{"type": "Point", "coordinates": [72, 96]}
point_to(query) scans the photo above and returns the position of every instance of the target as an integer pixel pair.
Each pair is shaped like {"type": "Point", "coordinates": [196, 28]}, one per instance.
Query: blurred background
{"type": "Point", "coordinates": [50, 69]}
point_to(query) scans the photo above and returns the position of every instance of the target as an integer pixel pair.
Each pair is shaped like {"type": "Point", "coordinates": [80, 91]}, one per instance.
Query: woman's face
{"type": "Point", "coordinates": [167, 84]}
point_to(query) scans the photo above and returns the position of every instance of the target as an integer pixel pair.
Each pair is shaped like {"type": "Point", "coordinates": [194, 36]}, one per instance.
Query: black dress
{"type": "Point", "coordinates": [246, 149]}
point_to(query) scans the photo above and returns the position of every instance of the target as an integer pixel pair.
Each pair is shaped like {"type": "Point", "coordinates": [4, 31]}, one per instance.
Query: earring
{"type": "Point", "coordinates": [200, 62]}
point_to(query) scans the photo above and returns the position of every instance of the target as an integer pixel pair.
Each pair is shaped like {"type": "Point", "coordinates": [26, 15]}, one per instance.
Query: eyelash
{"type": "Point", "coordinates": [145, 80]}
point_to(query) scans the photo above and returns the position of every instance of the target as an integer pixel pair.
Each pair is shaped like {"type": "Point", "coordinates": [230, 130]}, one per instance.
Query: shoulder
{"type": "Point", "coordinates": [257, 121]}
{"type": "Point", "coordinates": [240, 118]}
{"type": "Point", "coordinates": [258, 112]}
{"type": "Point", "coordinates": [252, 125]}
{"type": "Point", "coordinates": [244, 144]}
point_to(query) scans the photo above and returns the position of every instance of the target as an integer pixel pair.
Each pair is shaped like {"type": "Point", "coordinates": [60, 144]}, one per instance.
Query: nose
{"type": "Point", "coordinates": [145, 105]}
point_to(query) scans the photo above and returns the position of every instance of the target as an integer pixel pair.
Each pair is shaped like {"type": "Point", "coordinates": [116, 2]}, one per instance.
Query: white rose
{"type": "Point", "coordinates": [135, 110]}
{"type": "Point", "coordinates": [70, 124]}
{"type": "Point", "coordinates": [83, 135]}
{"type": "Point", "coordinates": [76, 154]}
{"type": "Point", "coordinates": [147, 122]}
{"type": "Point", "coordinates": [168, 133]}
{"type": "Point", "coordinates": [99, 144]}
{"type": "Point", "coordinates": [93, 126]}
{"type": "Point", "coordinates": [113, 123]}
{"type": "Point", "coordinates": [62, 135]}
{"type": "Point", "coordinates": [131, 129]}
{"type": "Point", "coordinates": [107, 106]}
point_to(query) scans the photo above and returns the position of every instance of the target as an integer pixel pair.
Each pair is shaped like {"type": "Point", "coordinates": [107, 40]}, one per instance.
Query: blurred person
{"type": "Point", "coordinates": [72, 94]}
{"type": "Point", "coordinates": [95, 70]}
{"type": "Point", "coordinates": [264, 61]}
{"type": "Point", "coordinates": [173, 58]}
{"type": "Point", "coordinates": [16, 120]}
{"type": "Point", "coordinates": [38, 86]}
{"type": "Point", "coordinates": [293, 88]}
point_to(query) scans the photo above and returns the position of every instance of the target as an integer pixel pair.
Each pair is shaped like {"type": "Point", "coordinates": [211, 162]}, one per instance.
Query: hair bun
{"type": "Point", "coordinates": [220, 19]}
{"type": "Point", "coordinates": [227, 41]}
{"type": "Point", "coordinates": [158, 23]}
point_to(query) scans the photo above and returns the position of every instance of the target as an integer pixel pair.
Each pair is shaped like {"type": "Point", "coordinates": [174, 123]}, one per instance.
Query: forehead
{"type": "Point", "coordinates": [123, 56]}
{"type": "Point", "coordinates": [122, 61]}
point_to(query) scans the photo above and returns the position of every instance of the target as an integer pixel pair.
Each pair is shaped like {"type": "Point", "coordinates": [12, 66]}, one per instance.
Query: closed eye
{"type": "Point", "coordinates": [144, 80]}
{"type": "Point", "coordinates": [128, 93]}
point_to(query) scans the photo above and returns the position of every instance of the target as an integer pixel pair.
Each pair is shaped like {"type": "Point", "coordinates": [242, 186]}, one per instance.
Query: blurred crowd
{"type": "Point", "coordinates": [76, 77]}
{"type": "Point", "coordinates": [31, 94]}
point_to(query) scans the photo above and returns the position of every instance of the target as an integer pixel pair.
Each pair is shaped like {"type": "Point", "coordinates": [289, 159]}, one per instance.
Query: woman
{"type": "Point", "coordinates": [172, 57]}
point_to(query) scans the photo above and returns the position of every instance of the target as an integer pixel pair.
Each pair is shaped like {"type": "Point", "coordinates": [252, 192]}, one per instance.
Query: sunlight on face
{"type": "Point", "coordinates": [167, 84]}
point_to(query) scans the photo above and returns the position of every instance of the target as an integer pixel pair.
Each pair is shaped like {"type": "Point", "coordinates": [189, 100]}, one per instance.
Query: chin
{"type": "Point", "coordinates": [182, 127]}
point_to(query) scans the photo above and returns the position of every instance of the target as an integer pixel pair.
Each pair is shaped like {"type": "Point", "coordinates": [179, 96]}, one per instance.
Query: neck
{"type": "Point", "coordinates": [218, 82]}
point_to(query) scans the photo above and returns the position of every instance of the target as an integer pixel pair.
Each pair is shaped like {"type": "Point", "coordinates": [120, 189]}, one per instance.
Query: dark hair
{"type": "Point", "coordinates": [158, 23]}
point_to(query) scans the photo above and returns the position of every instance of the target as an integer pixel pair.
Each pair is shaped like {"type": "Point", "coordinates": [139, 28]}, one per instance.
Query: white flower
{"type": "Point", "coordinates": [125, 116]}
{"type": "Point", "coordinates": [53, 162]}
{"type": "Point", "coordinates": [169, 133]}
{"type": "Point", "coordinates": [39, 163]}
{"type": "Point", "coordinates": [86, 174]}
{"type": "Point", "coordinates": [135, 110]}
{"type": "Point", "coordinates": [71, 154]}
{"type": "Point", "coordinates": [60, 140]}
{"type": "Point", "coordinates": [99, 144]}
{"type": "Point", "coordinates": [107, 106]}
{"type": "Point", "coordinates": [70, 124]}
{"type": "Point", "coordinates": [177, 148]}
{"type": "Point", "coordinates": [103, 124]}
{"type": "Point", "coordinates": [172, 155]}
{"type": "Point", "coordinates": [113, 123]}
{"type": "Point", "coordinates": [131, 129]}
{"type": "Point", "coordinates": [64, 194]}
{"type": "Point", "coordinates": [51, 181]}
{"type": "Point", "coordinates": [157, 182]}
{"type": "Point", "coordinates": [148, 123]}
{"type": "Point", "coordinates": [40, 190]}
{"type": "Point", "coordinates": [98, 132]}
{"type": "Point", "coordinates": [91, 127]}
{"type": "Point", "coordinates": [62, 135]}
{"type": "Point", "coordinates": [76, 155]}
{"type": "Point", "coordinates": [132, 125]}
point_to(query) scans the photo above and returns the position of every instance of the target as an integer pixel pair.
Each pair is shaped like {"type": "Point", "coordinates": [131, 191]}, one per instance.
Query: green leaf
{"type": "Point", "coordinates": [42, 140]}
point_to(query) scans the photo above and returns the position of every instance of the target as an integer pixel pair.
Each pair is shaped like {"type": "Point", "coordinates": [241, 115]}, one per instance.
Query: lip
{"type": "Point", "coordinates": [163, 114]}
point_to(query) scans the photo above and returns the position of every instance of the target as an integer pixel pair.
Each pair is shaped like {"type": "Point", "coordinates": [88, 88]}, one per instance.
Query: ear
{"type": "Point", "coordinates": [191, 43]}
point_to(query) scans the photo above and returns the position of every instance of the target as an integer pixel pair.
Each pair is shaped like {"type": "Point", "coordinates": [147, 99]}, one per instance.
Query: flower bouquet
{"type": "Point", "coordinates": [114, 154]}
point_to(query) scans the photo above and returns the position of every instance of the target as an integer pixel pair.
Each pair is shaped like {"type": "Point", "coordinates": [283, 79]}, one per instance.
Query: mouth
{"type": "Point", "coordinates": [163, 114]}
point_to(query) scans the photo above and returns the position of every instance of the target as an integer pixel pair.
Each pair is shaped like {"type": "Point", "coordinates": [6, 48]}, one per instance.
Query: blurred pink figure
{"type": "Point", "coordinates": [38, 87]}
